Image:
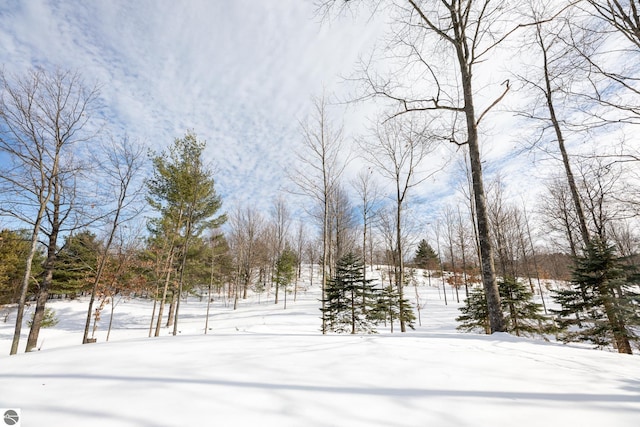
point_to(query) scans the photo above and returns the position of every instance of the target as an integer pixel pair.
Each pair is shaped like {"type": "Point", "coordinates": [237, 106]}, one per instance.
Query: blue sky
{"type": "Point", "coordinates": [239, 73]}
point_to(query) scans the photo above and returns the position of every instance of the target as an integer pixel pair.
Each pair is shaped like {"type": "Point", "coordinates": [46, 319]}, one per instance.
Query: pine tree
{"type": "Point", "coordinates": [14, 249]}
{"type": "Point", "coordinates": [182, 191]}
{"type": "Point", "coordinates": [285, 270]}
{"type": "Point", "coordinates": [387, 308]}
{"type": "Point", "coordinates": [522, 315]}
{"type": "Point", "coordinates": [350, 298]}
{"type": "Point", "coordinates": [76, 264]}
{"type": "Point", "coordinates": [603, 305]}
{"type": "Point", "coordinates": [426, 257]}
{"type": "Point", "coordinates": [475, 316]}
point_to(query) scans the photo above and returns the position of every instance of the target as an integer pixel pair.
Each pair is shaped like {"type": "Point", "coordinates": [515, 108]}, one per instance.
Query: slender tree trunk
{"type": "Point", "coordinates": [277, 292]}
{"type": "Point", "coordinates": [444, 290]}
{"type": "Point", "coordinates": [453, 265]}
{"type": "Point", "coordinates": [496, 317]}
{"type": "Point", "coordinates": [153, 311]}
{"type": "Point", "coordinates": [183, 266]}
{"type": "Point", "coordinates": [113, 307]}
{"type": "Point", "coordinates": [167, 280]}
{"type": "Point", "coordinates": [24, 288]}
{"type": "Point", "coordinates": [206, 321]}
{"type": "Point", "coordinates": [96, 281]}
{"type": "Point", "coordinates": [324, 260]}
{"type": "Point", "coordinates": [400, 273]}
{"type": "Point", "coordinates": [172, 307]}
{"type": "Point", "coordinates": [573, 188]}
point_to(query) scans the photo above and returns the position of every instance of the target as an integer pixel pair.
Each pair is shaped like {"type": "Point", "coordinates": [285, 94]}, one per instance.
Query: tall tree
{"type": "Point", "coordinates": [427, 34]}
{"type": "Point", "coordinates": [397, 153]}
{"type": "Point", "coordinates": [182, 191]}
{"type": "Point", "coordinates": [43, 117]}
{"type": "Point", "coordinates": [370, 194]}
{"type": "Point", "coordinates": [321, 164]}
{"type": "Point", "coordinates": [119, 164]}
{"type": "Point", "coordinates": [558, 69]}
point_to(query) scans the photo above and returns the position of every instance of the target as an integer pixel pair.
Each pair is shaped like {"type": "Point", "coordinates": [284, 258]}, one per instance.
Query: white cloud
{"type": "Point", "coordinates": [240, 74]}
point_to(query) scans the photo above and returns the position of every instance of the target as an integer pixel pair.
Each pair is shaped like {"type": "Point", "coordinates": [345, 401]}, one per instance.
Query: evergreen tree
{"type": "Point", "coordinates": [475, 316]}
{"type": "Point", "coordinates": [182, 191]}
{"type": "Point", "coordinates": [75, 264]}
{"type": "Point", "coordinates": [426, 257]}
{"type": "Point", "coordinates": [14, 248]}
{"type": "Point", "coordinates": [285, 270]}
{"type": "Point", "coordinates": [350, 299]}
{"type": "Point", "coordinates": [522, 315]}
{"type": "Point", "coordinates": [603, 305]}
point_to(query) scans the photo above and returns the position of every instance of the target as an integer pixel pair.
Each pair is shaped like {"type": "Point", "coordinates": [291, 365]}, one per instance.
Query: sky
{"type": "Point", "coordinates": [263, 365]}
{"type": "Point", "coordinates": [241, 74]}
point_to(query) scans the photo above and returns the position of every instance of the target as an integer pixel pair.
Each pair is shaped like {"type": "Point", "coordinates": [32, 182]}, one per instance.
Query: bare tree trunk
{"type": "Point", "coordinates": [573, 188]}
{"type": "Point", "coordinates": [496, 317]}
{"type": "Point", "coordinates": [183, 266]}
{"type": "Point", "coordinates": [125, 160]}
{"type": "Point", "coordinates": [153, 311]}
{"type": "Point", "coordinates": [172, 307]}
{"type": "Point", "coordinates": [113, 307]}
{"type": "Point", "coordinates": [45, 284]}
{"type": "Point", "coordinates": [444, 290]}
{"type": "Point", "coordinates": [25, 284]}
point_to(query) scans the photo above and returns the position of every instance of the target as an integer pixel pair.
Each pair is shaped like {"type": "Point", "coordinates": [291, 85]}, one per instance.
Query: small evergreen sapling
{"type": "Point", "coordinates": [522, 315]}
{"type": "Point", "coordinates": [350, 299]}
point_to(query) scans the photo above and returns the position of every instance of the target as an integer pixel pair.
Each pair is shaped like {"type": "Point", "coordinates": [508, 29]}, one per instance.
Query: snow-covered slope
{"type": "Point", "coordinates": [263, 365]}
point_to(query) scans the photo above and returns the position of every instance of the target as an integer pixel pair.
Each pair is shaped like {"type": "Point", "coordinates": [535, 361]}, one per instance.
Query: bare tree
{"type": "Point", "coordinates": [450, 225]}
{"type": "Point", "coordinates": [619, 22]}
{"type": "Point", "coordinates": [299, 244]}
{"type": "Point", "coordinates": [398, 152]}
{"type": "Point", "coordinates": [559, 66]}
{"type": "Point", "coordinates": [320, 167]}
{"type": "Point", "coordinates": [557, 208]}
{"type": "Point", "coordinates": [247, 227]}
{"type": "Point", "coordinates": [342, 226]}
{"type": "Point", "coordinates": [437, 229]}
{"type": "Point", "coordinates": [43, 116]}
{"type": "Point", "coordinates": [123, 162]}
{"type": "Point", "coordinates": [370, 197]}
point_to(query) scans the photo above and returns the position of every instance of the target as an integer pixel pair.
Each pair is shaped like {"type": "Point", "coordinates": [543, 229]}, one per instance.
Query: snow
{"type": "Point", "coordinates": [267, 366]}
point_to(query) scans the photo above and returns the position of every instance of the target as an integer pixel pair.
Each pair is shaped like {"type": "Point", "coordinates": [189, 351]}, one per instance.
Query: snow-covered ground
{"type": "Point", "coordinates": [266, 366]}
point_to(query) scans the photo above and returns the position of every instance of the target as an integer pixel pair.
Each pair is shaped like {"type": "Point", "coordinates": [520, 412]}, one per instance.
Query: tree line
{"type": "Point", "coordinates": [576, 89]}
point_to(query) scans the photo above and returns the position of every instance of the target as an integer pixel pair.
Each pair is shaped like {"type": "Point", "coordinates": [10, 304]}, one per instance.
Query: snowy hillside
{"type": "Point", "coordinates": [263, 365]}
